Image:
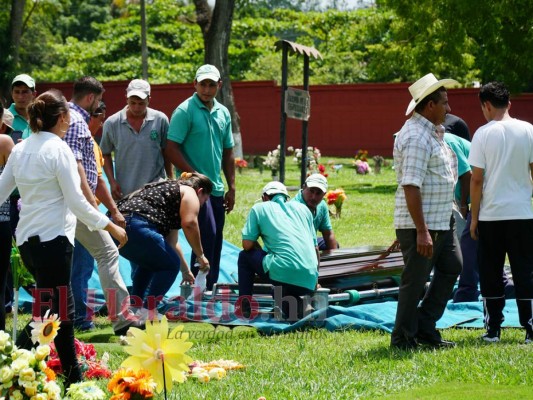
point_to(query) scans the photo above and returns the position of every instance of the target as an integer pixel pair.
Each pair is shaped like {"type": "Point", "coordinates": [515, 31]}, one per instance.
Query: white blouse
{"type": "Point", "coordinates": [45, 172]}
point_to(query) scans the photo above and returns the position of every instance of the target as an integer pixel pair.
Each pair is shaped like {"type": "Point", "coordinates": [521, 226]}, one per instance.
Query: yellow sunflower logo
{"type": "Point", "coordinates": [44, 329]}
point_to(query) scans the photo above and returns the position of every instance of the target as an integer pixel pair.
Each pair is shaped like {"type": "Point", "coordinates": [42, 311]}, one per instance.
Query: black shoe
{"type": "Point", "coordinates": [492, 336]}
{"type": "Point", "coordinates": [433, 340]}
{"type": "Point", "coordinates": [529, 337]}
{"type": "Point", "coordinates": [243, 309]}
{"type": "Point", "coordinates": [405, 344]}
{"type": "Point", "coordinates": [133, 324]}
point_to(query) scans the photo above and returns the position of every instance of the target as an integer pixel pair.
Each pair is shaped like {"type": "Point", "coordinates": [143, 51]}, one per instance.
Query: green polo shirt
{"type": "Point", "coordinates": [289, 239]}
{"type": "Point", "coordinates": [19, 123]}
{"type": "Point", "coordinates": [461, 148]}
{"type": "Point", "coordinates": [202, 134]}
{"type": "Point", "coordinates": [321, 219]}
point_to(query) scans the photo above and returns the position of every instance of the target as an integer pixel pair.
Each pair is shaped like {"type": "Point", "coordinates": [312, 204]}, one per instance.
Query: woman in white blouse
{"type": "Point", "coordinates": [44, 170]}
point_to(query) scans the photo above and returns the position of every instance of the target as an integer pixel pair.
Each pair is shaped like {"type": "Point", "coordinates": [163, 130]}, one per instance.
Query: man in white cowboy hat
{"type": "Point", "coordinates": [426, 172]}
{"type": "Point", "coordinates": [290, 257]}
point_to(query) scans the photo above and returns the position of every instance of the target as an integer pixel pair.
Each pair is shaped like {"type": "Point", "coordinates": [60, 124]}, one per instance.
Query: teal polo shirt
{"type": "Point", "coordinates": [461, 148]}
{"type": "Point", "coordinates": [321, 219]}
{"type": "Point", "coordinates": [202, 134]}
{"type": "Point", "coordinates": [19, 123]}
{"type": "Point", "coordinates": [289, 239]}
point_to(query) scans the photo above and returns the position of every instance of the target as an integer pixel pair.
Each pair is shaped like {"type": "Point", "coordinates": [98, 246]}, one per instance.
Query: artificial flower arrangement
{"type": "Point", "coordinates": [313, 158]}
{"type": "Point", "coordinates": [322, 170]}
{"type": "Point", "coordinates": [362, 167]}
{"type": "Point", "coordinates": [24, 373]}
{"type": "Point", "coordinates": [91, 367]}
{"type": "Point", "coordinates": [336, 198]}
{"type": "Point", "coordinates": [240, 163]}
{"type": "Point", "coordinates": [157, 359]}
{"type": "Point", "coordinates": [128, 384]}
{"type": "Point", "coordinates": [379, 162]}
{"type": "Point", "coordinates": [334, 167]}
{"type": "Point", "coordinates": [272, 160]}
{"type": "Point", "coordinates": [161, 354]}
{"type": "Point", "coordinates": [362, 155]}
{"type": "Point", "coordinates": [361, 162]}
{"type": "Point", "coordinates": [214, 370]}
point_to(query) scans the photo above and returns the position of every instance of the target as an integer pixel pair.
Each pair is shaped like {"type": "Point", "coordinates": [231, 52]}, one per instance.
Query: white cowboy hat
{"type": "Point", "coordinates": [424, 87]}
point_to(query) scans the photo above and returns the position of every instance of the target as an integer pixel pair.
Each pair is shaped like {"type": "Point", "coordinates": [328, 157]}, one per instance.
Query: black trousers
{"type": "Point", "coordinates": [497, 239]}
{"type": "Point", "coordinates": [50, 264]}
{"type": "Point", "coordinates": [413, 316]}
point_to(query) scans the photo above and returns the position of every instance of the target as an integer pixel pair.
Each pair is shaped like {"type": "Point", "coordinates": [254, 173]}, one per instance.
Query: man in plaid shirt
{"type": "Point", "coordinates": [426, 170]}
{"type": "Point", "coordinates": [85, 99]}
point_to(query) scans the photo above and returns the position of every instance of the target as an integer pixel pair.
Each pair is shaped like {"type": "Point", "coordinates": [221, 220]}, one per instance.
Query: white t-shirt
{"type": "Point", "coordinates": [504, 150]}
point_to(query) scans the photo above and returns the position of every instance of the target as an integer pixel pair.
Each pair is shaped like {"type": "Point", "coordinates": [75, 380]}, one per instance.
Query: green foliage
{"type": "Point", "coordinates": [468, 40]}
{"type": "Point", "coordinates": [394, 41]}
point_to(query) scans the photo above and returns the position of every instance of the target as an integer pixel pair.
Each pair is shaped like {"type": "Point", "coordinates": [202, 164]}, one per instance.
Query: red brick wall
{"type": "Point", "coordinates": [344, 118]}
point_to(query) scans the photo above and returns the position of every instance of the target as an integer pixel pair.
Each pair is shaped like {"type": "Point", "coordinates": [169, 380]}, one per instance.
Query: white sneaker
{"type": "Point", "coordinates": [492, 336]}
{"type": "Point", "coordinates": [145, 314]}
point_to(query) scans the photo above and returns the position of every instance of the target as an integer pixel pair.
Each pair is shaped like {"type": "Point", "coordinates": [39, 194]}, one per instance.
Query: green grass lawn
{"type": "Point", "coordinates": [318, 364]}
{"type": "Point", "coordinates": [366, 215]}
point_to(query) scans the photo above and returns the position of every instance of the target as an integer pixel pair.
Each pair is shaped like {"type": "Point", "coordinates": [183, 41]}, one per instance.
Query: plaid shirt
{"type": "Point", "coordinates": [424, 160]}
{"type": "Point", "coordinates": [80, 141]}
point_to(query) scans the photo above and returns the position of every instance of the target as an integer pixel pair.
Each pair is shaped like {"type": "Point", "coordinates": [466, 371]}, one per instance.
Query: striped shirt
{"type": "Point", "coordinates": [424, 160]}
{"type": "Point", "coordinates": [80, 141]}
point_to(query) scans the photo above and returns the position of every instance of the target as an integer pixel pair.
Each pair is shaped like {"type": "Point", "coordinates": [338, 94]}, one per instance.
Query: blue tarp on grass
{"type": "Point", "coordinates": [228, 273]}
{"type": "Point", "coordinates": [365, 316]}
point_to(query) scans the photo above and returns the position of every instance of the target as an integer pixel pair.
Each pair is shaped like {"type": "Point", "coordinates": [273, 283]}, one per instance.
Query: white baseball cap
{"type": "Point", "coordinates": [207, 71]}
{"type": "Point", "coordinates": [275, 187]}
{"type": "Point", "coordinates": [25, 79]}
{"type": "Point", "coordinates": [139, 88]}
{"type": "Point", "coordinates": [318, 181]}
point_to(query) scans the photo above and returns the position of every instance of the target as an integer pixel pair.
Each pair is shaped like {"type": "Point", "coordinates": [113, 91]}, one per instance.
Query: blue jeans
{"type": "Point", "coordinates": [82, 269]}
{"type": "Point", "coordinates": [211, 222]}
{"type": "Point", "coordinates": [467, 288]}
{"type": "Point", "coordinates": [158, 262]}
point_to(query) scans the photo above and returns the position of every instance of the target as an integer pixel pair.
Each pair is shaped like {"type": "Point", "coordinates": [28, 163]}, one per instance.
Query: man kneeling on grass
{"type": "Point", "coordinates": [290, 256]}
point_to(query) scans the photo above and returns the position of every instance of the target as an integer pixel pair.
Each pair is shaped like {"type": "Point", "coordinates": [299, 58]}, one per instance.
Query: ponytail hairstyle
{"type": "Point", "coordinates": [196, 181]}
{"type": "Point", "coordinates": [45, 110]}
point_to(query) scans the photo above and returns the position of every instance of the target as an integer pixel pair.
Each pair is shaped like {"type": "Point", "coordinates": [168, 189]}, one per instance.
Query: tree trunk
{"type": "Point", "coordinates": [144, 46]}
{"type": "Point", "coordinates": [15, 29]}
{"type": "Point", "coordinates": [10, 58]}
{"type": "Point", "coordinates": [216, 30]}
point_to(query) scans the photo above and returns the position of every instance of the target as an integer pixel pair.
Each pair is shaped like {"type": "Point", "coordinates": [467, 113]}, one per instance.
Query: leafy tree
{"type": "Point", "coordinates": [486, 40]}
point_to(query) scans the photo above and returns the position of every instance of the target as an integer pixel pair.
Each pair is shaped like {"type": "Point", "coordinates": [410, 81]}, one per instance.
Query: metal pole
{"type": "Point", "coordinates": [144, 47]}
{"type": "Point", "coordinates": [305, 124]}
{"type": "Point", "coordinates": [282, 129]}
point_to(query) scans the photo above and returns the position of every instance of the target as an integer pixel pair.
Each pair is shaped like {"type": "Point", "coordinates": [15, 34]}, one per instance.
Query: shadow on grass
{"type": "Point", "coordinates": [369, 188]}
{"type": "Point", "coordinates": [465, 391]}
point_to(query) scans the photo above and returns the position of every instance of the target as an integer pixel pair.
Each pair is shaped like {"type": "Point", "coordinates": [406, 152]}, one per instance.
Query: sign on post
{"type": "Point", "coordinates": [297, 104]}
